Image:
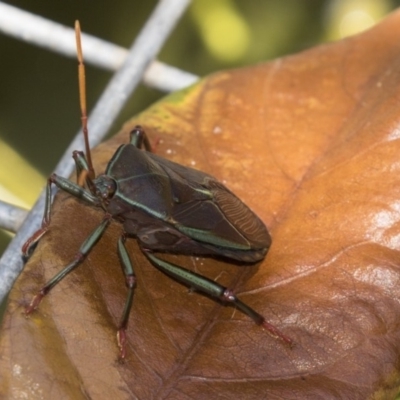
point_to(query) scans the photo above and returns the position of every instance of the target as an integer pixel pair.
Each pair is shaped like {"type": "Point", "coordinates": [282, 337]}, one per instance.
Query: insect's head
{"type": "Point", "coordinates": [105, 187]}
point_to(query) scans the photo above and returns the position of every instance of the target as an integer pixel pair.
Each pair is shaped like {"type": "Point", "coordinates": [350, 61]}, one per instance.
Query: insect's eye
{"type": "Point", "coordinates": [105, 186]}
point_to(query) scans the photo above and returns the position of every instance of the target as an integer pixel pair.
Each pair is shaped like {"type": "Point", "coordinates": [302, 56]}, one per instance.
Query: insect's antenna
{"type": "Point", "coordinates": [82, 98]}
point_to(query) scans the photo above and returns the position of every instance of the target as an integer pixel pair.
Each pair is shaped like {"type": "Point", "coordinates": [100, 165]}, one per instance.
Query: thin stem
{"type": "Point", "coordinates": [11, 216]}
{"type": "Point", "coordinates": [58, 38]}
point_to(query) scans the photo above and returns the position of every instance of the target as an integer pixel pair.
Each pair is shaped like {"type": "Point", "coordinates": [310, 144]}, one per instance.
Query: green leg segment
{"type": "Point", "coordinates": [80, 163]}
{"type": "Point", "coordinates": [138, 138]}
{"type": "Point", "coordinates": [212, 288]}
{"type": "Point", "coordinates": [130, 280]}
{"type": "Point", "coordinates": [30, 244]}
{"type": "Point", "coordinates": [87, 245]}
{"type": "Point", "coordinates": [82, 166]}
{"type": "Point", "coordinates": [67, 186]}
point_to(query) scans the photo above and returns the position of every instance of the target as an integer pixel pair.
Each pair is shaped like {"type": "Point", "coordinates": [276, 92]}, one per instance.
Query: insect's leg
{"type": "Point", "coordinates": [29, 245]}
{"type": "Point", "coordinates": [214, 289]}
{"type": "Point", "coordinates": [139, 138]}
{"type": "Point", "coordinates": [130, 280]}
{"type": "Point", "coordinates": [85, 248]}
{"type": "Point", "coordinates": [81, 163]}
{"type": "Point", "coordinates": [83, 170]}
{"type": "Point", "coordinates": [67, 186]}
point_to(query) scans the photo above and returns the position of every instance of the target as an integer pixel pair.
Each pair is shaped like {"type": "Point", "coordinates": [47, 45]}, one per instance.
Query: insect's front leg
{"type": "Point", "coordinates": [214, 289]}
{"type": "Point", "coordinates": [81, 163]}
{"type": "Point", "coordinates": [30, 244]}
{"type": "Point", "coordinates": [84, 172]}
{"type": "Point", "coordinates": [67, 186]}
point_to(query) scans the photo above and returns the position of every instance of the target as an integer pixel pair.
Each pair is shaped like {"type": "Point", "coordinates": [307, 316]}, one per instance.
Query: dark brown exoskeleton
{"type": "Point", "coordinates": [168, 208]}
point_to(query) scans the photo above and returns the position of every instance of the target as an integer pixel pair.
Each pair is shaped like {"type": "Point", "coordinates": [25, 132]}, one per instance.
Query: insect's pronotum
{"type": "Point", "coordinates": [166, 207]}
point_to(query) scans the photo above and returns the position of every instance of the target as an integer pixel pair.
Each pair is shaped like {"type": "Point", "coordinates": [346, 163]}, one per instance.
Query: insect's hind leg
{"type": "Point", "coordinates": [214, 289]}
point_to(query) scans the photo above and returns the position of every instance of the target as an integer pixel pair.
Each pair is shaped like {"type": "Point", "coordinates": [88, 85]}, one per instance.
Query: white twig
{"type": "Point", "coordinates": [58, 38]}
{"type": "Point", "coordinates": [142, 52]}
{"type": "Point", "coordinates": [11, 216]}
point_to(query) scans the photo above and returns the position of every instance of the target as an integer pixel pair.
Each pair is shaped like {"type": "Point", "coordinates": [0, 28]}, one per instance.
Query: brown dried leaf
{"type": "Point", "coordinates": [311, 143]}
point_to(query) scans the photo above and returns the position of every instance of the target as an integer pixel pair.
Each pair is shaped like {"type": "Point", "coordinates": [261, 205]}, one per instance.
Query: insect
{"type": "Point", "coordinates": [167, 208]}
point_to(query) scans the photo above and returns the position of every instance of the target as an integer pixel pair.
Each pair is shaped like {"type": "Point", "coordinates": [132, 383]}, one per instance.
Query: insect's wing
{"type": "Point", "coordinates": [142, 183]}
{"type": "Point", "coordinates": [205, 210]}
{"type": "Point", "coordinates": [186, 201]}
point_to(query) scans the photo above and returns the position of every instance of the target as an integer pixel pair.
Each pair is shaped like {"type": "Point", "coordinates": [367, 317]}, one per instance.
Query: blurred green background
{"type": "Point", "coordinates": [39, 110]}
